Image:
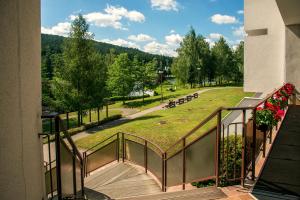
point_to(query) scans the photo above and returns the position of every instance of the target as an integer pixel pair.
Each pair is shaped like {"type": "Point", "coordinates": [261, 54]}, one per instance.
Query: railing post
{"type": "Point", "coordinates": [217, 163]}
{"type": "Point", "coordinates": [118, 147]}
{"type": "Point", "coordinates": [164, 170]}
{"type": "Point", "coordinates": [183, 164]}
{"type": "Point", "coordinates": [123, 147]}
{"type": "Point", "coordinates": [82, 162]}
{"type": "Point", "coordinates": [253, 144]}
{"type": "Point", "coordinates": [264, 144]}
{"type": "Point", "coordinates": [146, 156]}
{"type": "Point", "coordinates": [74, 172]}
{"type": "Point", "coordinates": [58, 161]}
{"type": "Point", "coordinates": [243, 170]}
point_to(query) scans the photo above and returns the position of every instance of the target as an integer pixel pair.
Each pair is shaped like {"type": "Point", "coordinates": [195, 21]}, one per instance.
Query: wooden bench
{"type": "Point", "coordinates": [189, 98]}
{"type": "Point", "coordinates": [180, 101]}
{"type": "Point", "coordinates": [172, 104]}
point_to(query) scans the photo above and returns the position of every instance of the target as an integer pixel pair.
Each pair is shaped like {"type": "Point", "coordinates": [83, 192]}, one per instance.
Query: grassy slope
{"type": "Point", "coordinates": [165, 127]}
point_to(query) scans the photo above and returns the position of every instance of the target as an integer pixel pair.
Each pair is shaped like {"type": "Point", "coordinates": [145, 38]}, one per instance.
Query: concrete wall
{"type": "Point", "coordinates": [21, 175]}
{"type": "Point", "coordinates": [293, 55]}
{"type": "Point", "coordinates": [264, 53]}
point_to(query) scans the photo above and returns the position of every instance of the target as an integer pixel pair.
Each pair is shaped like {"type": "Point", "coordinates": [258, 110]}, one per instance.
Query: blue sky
{"type": "Point", "coordinates": [155, 26]}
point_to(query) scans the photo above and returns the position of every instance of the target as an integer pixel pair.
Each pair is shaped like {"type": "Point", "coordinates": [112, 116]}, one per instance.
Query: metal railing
{"type": "Point", "coordinates": [65, 173]}
{"type": "Point", "coordinates": [213, 150]}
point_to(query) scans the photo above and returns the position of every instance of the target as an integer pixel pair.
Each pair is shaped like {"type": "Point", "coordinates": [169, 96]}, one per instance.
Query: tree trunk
{"type": "Point", "coordinates": [143, 94]}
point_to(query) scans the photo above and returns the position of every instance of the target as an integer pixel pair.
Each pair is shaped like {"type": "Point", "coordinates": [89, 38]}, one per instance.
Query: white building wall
{"type": "Point", "coordinates": [21, 172]}
{"type": "Point", "coordinates": [264, 53]}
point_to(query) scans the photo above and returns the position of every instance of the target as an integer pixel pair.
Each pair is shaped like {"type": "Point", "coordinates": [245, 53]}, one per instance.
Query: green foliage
{"type": "Point", "coordinates": [144, 74]}
{"type": "Point", "coordinates": [265, 119]}
{"type": "Point", "coordinates": [120, 76]}
{"type": "Point", "coordinates": [79, 79]}
{"type": "Point", "coordinates": [197, 63]}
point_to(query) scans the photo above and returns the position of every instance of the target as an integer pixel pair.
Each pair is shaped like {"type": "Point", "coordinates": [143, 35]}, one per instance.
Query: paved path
{"type": "Point", "coordinates": [126, 119]}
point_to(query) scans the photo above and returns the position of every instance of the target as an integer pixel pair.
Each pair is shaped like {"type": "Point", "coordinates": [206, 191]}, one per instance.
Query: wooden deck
{"type": "Point", "coordinates": [120, 180]}
{"type": "Point", "coordinates": [129, 182]}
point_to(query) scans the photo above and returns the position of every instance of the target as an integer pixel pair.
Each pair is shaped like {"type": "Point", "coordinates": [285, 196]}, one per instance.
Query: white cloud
{"type": "Point", "coordinates": [172, 31]}
{"type": "Point", "coordinates": [239, 32]}
{"type": "Point", "coordinates": [215, 36]}
{"type": "Point", "coordinates": [159, 48]}
{"type": "Point", "coordinates": [121, 42]}
{"type": "Point", "coordinates": [210, 42]}
{"type": "Point", "coordinates": [240, 12]}
{"type": "Point", "coordinates": [166, 5]}
{"type": "Point", "coordinates": [173, 39]}
{"type": "Point", "coordinates": [141, 38]}
{"type": "Point", "coordinates": [133, 15]}
{"type": "Point", "coordinates": [223, 19]}
{"type": "Point", "coordinates": [61, 29]}
{"type": "Point", "coordinates": [112, 16]}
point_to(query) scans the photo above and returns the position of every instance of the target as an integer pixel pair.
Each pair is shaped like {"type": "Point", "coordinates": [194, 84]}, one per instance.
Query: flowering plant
{"type": "Point", "coordinates": [271, 112]}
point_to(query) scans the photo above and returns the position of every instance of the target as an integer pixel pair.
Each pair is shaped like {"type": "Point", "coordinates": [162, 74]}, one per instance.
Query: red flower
{"type": "Point", "coordinates": [279, 114]}
{"type": "Point", "coordinates": [259, 108]}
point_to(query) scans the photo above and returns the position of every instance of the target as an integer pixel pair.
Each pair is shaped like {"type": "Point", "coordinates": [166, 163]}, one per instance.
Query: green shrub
{"type": "Point", "coordinates": [227, 168]}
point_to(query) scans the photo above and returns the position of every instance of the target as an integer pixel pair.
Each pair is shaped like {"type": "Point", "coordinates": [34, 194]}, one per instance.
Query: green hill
{"type": "Point", "coordinates": [53, 43]}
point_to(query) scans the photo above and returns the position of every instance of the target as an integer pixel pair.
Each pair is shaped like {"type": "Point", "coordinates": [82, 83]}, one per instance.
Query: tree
{"type": "Point", "coordinates": [239, 61]}
{"type": "Point", "coordinates": [120, 76]}
{"type": "Point", "coordinates": [193, 59]}
{"type": "Point", "coordinates": [79, 82]}
{"type": "Point", "coordinates": [223, 56]}
{"type": "Point", "coordinates": [144, 74]}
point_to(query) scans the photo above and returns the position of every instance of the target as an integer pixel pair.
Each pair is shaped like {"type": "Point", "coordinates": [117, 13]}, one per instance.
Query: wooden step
{"type": "Point", "coordinates": [195, 194]}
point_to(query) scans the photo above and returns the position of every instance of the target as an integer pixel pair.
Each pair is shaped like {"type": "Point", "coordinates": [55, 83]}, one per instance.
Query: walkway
{"type": "Point", "coordinates": [280, 177]}
{"type": "Point", "coordinates": [128, 118]}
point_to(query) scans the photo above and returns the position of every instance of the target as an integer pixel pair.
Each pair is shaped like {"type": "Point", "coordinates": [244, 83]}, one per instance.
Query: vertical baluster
{"type": "Point", "coordinates": [227, 150]}
{"type": "Point", "coordinates": [123, 147]}
{"type": "Point", "coordinates": [235, 145]}
{"type": "Point", "coordinates": [118, 146]}
{"type": "Point", "coordinates": [146, 156]}
{"type": "Point", "coordinates": [58, 163]}
{"type": "Point", "coordinates": [217, 156]}
{"type": "Point", "coordinates": [243, 149]}
{"type": "Point", "coordinates": [183, 164]}
{"type": "Point", "coordinates": [254, 144]}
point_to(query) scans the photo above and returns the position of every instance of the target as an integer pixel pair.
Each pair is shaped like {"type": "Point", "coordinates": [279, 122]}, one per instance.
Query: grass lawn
{"type": "Point", "coordinates": [156, 100]}
{"type": "Point", "coordinates": [165, 127]}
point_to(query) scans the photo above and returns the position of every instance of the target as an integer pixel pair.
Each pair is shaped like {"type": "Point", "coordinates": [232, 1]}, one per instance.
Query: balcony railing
{"type": "Point", "coordinates": [214, 150]}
